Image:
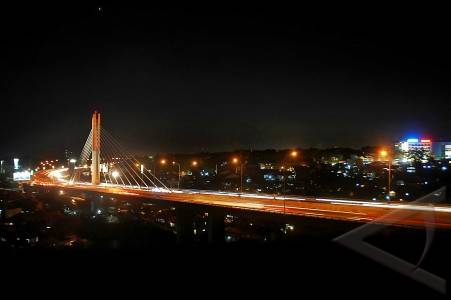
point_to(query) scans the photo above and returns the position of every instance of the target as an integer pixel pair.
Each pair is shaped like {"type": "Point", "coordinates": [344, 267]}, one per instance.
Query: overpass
{"type": "Point", "coordinates": [115, 171]}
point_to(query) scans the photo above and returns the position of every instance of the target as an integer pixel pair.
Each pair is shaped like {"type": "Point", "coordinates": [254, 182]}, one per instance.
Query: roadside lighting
{"type": "Point", "coordinates": [176, 163]}
{"type": "Point", "coordinates": [385, 155]}
{"type": "Point", "coordinates": [235, 160]}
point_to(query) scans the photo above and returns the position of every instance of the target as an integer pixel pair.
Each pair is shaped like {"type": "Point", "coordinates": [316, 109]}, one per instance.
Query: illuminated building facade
{"type": "Point", "coordinates": [437, 149]}
{"type": "Point", "coordinates": [415, 144]}
{"type": "Point", "coordinates": [441, 150]}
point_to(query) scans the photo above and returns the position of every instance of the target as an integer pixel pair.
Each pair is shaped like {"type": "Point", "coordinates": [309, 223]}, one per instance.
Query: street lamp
{"type": "Point", "coordinates": [293, 155]}
{"type": "Point", "coordinates": [235, 160]}
{"type": "Point", "coordinates": [385, 155]}
{"type": "Point", "coordinates": [142, 171]}
{"type": "Point", "coordinates": [176, 163]}
{"type": "Point", "coordinates": [194, 163]}
{"type": "Point", "coordinates": [72, 161]}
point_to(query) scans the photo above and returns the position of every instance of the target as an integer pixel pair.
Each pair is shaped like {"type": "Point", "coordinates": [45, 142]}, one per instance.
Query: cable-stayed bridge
{"type": "Point", "coordinates": [105, 166]}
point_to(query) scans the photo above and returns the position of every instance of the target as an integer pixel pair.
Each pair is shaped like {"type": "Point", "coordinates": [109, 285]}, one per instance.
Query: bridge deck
{"type": "Point", "coordinates": [348, 210]}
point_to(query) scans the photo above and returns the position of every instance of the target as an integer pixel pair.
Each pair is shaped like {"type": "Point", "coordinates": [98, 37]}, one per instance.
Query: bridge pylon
{"type": "Point", "coordinates": [95, 165]}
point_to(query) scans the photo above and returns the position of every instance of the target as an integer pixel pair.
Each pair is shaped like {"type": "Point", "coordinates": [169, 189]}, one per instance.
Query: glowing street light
{"type": "Point", "coordinates": [176, 163]}
{"type": "Point", "coordinates": [194, 163]}
{"type": "Point", "coordinates": [115, 174]}
{"type": "Point", "coordinates": [294, 153]}
{"type": "Point", "coordinates": [72, 162]}
{"type": "Point", "coordinates": [235, 160]}
{"type": "Point", "coordinates": [385, 155]}
{"type": "Point", "coordinates": [163, 161]}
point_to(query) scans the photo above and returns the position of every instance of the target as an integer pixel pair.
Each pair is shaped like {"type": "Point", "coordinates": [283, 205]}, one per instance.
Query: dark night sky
{"type": "Point", "coordinates": [217, 78]}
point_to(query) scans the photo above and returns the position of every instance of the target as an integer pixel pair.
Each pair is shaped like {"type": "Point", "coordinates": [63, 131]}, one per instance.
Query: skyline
{"type": "Point", "coordinates": [188, 81]}
{"type": "Point", "coordinates": [212, 145]}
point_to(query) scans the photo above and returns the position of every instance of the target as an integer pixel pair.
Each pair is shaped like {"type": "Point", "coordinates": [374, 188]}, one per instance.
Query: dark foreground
{"type": "Point", "coordinates": [123, 253]}
{"type": "Point", "coordinates": [313, 267]}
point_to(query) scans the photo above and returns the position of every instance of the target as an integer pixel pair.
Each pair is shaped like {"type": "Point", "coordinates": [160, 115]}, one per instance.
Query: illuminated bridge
{"type": "Point", "coordinates": [106, 167]}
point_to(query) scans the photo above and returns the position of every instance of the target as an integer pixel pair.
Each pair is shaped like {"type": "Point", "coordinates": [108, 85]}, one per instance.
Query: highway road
{"type": "Point", "coordinates": [401, 214]}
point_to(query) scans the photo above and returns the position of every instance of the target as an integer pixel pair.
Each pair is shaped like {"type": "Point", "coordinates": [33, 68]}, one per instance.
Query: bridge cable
{"type": "Point", "coordinates": [119, 146]}
{"type": "Point", "coordinates": [104, 142]}
{"type": "Point", "coordinates": [131, 166]}
{"type": "Point", "coordinates": [110, 155]}
{"type": "Point", "coordinates": [106, 153]}
{"type": "Point", "coordinates": [128, 157]}
{"type": "Point", "coordinates": [84, 153]}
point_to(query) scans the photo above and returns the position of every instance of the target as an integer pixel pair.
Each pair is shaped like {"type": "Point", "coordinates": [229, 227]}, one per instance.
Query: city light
{"type": "Point", "coordinates": [16, 163]}
{"type": "Point", "coordinates": [306, 150]}
{"type": "Point", "coordinates": [21, 176]}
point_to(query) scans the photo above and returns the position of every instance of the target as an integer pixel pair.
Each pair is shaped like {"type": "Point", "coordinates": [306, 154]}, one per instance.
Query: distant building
{"type": "Point", "coordinates": [266, 166]}
{"type": "Point", "coordinates": [68, 154]}
{"type": "Point", "coordinates": [8, 166]}
{"type": "Point", "coordinates": [415, 144]}
{"type": "Point", "coordinates": [437, 149]}
{"type": "Point", "coordinates": [441, 150]}
{"type": "Point", "coordinates": [367, 159]}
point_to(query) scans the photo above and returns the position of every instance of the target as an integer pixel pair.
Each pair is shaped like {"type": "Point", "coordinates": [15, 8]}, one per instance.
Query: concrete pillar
{"type": "Point", "coordinates": [184, 224]}
{"type": "Point", "coordinates": [94, 205]}
{"type": "Point", "coordinates": [216, 234]}
{"type": "Point", "coordinates": [95, 201]}
{"type": "Point", "coordinates": [2, 209]}
{"type": "Point", "coordinates": [95, 166]}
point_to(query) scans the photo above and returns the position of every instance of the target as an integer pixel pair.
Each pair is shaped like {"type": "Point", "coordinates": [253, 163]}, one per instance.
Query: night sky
{"type": "Point", "coordinates": [217, 78]}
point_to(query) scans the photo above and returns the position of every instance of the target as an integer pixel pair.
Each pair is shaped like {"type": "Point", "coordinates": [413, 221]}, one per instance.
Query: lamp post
{"type": "Point", "coordinates": [176, 163]}
{"type": "Point", "coordinates": [235, 160]}
{"type": "Point", "coordinates": [73, 161]}
{"type": "Point", "coordinates": [385, 155]}
{"type": "Point", "coordinates": [293, 155]}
